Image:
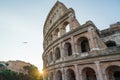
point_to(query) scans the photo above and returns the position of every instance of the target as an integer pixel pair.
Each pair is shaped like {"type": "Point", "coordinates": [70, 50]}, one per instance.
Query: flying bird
{"type": "Point", "coordinates": [25, 42]}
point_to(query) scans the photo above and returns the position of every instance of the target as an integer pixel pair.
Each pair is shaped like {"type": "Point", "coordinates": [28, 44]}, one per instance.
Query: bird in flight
{"type": "Point", "coordinates": [25, 42]}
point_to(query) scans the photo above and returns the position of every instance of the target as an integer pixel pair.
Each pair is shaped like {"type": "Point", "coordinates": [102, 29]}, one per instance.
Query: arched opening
{"type": "Point", "coordinates": [83, 44]}
{"type": "Point", "coordinates": [51, 57]}
{"type": "Point", "coordinates": [57, 33]}
{"type": "Point", "coordinates": [113, 73]}
{"type": "Point", "coordinates": [111, 44]}
{"type": "Point", "coordinates": [89, 74]}
{"type": "Point", "coordinates": [68, 49]}
{"type": "Point", "coordinates": [67, 27]}
{"type": "Point", "coordinates": [46, 61]}
{"type": "Point", "coordinates": [57, 53]}
{"type": "Point", "coordinates": [58, 75]}
{"type": "Point", "coordinates": [70, 74]}
{"type": "Point", "coordinates": [51, 38]}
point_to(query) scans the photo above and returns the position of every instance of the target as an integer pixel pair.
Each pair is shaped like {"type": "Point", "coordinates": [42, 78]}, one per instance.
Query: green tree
{"type": "Point", "coordinates": [33, 73]}
{"type": "Point", "coordinates": [11, 75]}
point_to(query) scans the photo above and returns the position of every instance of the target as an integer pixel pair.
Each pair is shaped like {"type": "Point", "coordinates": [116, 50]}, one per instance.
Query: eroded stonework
{"type": "Point", "coordinates": [79, 52]}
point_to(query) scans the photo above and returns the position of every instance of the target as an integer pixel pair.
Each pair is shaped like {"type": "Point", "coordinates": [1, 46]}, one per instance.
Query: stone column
{"type": "Point", "coordinates": [54, 75]}
{"type": "Point", "coordinates": [104, 75]}
{"type": "Point", "coordinates": [77, 72]}
{"type": "Point", "coordinates": [73, 45]}
{"type": "Point", "coordinates": [93, 38]}
{"type": "Point", "coordinates": [62, 51]}
{"type": "Point", "coordinates": [80, 76]}
{"type": "Point", "coordinates": [53, 54]}
{"type": "Point", "coordinates": [63, 74]}
{"type": "Point", "coordinates": [48, 77]}
{"type": "Point", "coordinates": [100, 77]}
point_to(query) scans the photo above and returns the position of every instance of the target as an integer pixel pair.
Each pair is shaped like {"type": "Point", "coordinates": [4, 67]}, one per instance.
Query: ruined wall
{"type": "Point", "coordinates": [79, 52]}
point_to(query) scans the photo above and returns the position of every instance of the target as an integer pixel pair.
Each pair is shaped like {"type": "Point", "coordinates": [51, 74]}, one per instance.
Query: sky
{"type": "Point", "coordinates": [21, 24]}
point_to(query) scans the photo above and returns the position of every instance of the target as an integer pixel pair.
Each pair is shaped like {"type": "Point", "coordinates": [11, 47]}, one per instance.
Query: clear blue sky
{"type": "Point", "coordinates": [23, 20]}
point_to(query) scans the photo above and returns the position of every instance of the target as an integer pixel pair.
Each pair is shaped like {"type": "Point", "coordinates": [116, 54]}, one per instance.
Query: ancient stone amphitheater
{"type": "Point", "coordinates": [79, 52]}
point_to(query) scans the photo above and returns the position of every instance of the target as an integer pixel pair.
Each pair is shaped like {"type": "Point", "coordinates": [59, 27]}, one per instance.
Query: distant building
{"type": "Point", "coordinates": [79, 52]}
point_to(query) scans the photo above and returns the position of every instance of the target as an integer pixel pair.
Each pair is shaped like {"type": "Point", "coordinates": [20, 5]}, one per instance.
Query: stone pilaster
{"type": "Point", "coordinates": [62, 51]}
{"type": "Point", "coordinates": [77, 72]}
{"type": "Point", "coordinates": [73, 45]}
{"type": "Point", "coordinates": [100, 77]}
{"type": "Point", "coordinates": [63, 74]}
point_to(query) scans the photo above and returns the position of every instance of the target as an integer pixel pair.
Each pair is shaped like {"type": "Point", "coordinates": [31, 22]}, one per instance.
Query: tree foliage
{"type": "Point", "coordinates": [10, 75]}
{"type": "Point", "coordinates": [33, 74]}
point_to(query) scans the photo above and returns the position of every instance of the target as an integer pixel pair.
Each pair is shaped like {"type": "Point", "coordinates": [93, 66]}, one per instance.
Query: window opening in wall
{"type": "Point", "coordinates": [117, 75]}
{"type": "Point", "coordinates": [89, 74]}
{"type": "Point", "coordinates": [57, 53]}
{"type": "Point", "coordinates": [84, 45]}
{"type": "Point", "coordinates": [51, 38]}
{"type": "Point", "coordinates": [67, 28]}
{"type": "Point", "coordinates": [59, 75]}
{"type": "Point", "coordinates": [68, 49]}
{"type": "Point", "coordinates": [58, 34]}
{"type": "Point", "coordinates": [70, 74]}
{"type": "Point", "coordinates": [51, 57]}
{"type": "Point", "coordinates": [111, 44]}
{"type": "Point", "coordinates": [50, 21]}
{"type": "Point", "coordinates": [113, 73]}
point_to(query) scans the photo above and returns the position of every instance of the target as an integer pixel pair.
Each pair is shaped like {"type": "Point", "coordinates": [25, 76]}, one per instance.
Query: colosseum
{"type": "Point", "coordinates": [79, 52]}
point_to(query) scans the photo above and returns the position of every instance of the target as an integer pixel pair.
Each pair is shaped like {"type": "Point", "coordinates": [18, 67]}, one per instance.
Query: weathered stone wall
{"type": "Point", "coordinates": [80, 53]}
{"type": "Point", "coordinates": [112, 33]}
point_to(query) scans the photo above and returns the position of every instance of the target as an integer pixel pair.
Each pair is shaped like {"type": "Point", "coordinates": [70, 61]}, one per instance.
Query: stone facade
{"type": "Point", "coordinates": [79, 52]}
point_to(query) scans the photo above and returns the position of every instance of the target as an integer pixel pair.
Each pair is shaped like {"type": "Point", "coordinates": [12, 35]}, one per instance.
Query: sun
{"type": "Point", "coordinates": [41, 72]}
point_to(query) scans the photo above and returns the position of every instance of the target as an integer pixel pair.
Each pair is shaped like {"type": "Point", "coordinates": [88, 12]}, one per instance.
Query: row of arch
{"type": "Point", "coordinates": [57, 33]}
{"type": "Point", "coordinates": [112, 73]}
{"type": "Point", "coordinates": [82, 45]}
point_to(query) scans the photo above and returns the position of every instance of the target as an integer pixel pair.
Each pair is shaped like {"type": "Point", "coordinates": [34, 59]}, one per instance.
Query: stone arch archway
{"type": "Point", "coordinates": [58, 75]}
{"type": "Point", "coordinates": [68, 49]}
{"type": "Point", "coordinates": [83, 44]}
{"type": "Point", "coordinates": [70, 74]}
{"type": "Point", "coordinates": [51, 56]}
{"type": "Point", "coordinates": [110, 44]}
{"type": "Point", "coordinates": [67, 26]}
{"type": "Point", "coordinates": [57, 33]}
{"type": "Point", "coordinates": [113, 72]}
{"type": "Point", "coordinates": [89, 74]}
{"type": "Point", "coordinates": [57, 53]}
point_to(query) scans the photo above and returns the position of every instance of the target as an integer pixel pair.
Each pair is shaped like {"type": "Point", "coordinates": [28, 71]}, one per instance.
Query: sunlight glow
{"type": "Point", "coordinates": [41, 71]}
